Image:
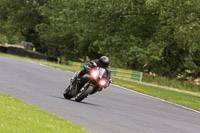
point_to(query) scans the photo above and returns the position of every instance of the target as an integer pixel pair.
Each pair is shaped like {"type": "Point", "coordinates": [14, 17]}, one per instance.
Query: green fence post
{"type": "Point", "coordinates": [70, 63]}
{"type": "Point", "coordinates": [58, 61]}
{"type": "Point", "coordinates": [113, 71]}
{"type": "Point", "coordinates": [135, 75]}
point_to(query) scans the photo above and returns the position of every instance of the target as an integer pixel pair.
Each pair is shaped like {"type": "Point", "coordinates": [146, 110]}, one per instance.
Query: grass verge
{"type": "Point", "coordinates": [182, 85]}
{"type": "Point", "coordinates": [44, 62]}
{"type": "Point", "coordinates": [190, 100]}
{"type": "Point", "coordinates": [19, 117]}
{"type": "Point", "coordinates": [184, 99]}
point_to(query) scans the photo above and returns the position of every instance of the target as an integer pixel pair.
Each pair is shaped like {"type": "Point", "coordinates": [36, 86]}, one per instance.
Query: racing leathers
{"type": "Point", "coordinates": [87, 67]}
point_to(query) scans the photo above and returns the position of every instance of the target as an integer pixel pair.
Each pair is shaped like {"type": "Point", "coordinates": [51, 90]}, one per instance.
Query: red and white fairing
{"type": "Point", "coordinates": [103, 83]}
{"type": "Point", "coordinates": [95, 74]}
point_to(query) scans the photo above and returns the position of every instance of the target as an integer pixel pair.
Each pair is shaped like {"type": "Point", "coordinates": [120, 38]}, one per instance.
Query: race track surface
{"type": "Point", "coordinates": [114, 110]}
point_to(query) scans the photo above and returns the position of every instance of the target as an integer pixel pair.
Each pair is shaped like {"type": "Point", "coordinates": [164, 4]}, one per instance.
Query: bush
{"type": "Point", "coordinates": [3, 39]}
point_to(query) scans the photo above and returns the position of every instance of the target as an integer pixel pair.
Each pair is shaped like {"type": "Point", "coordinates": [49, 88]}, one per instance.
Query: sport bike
{"type": "Point", "coordinates": [95, 80]}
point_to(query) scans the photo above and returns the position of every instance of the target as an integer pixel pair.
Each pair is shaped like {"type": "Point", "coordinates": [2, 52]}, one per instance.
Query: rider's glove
{"type": "Point", "coordinates": [87, 68]}
{"type": "Point", "coordinates": [109, 81]}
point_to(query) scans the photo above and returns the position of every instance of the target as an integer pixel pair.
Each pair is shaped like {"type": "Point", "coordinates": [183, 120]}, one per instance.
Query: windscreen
{"type": "Point", "coordinates": [102, 72]}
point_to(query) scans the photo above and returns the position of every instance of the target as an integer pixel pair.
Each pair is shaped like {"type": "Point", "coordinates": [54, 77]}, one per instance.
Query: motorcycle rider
{"type": "Point", "coordinates": [103, 62]}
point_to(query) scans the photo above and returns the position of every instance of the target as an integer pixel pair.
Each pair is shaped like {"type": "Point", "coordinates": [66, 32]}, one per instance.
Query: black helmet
{"type": "Point", "coordinates": [104, 61]}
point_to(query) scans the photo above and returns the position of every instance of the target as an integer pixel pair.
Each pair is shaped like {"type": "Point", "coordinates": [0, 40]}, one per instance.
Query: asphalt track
{"type": "Point", "coordinates": [114, 110]}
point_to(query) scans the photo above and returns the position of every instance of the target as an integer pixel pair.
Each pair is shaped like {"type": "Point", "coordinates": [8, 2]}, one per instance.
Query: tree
{"type": "Point", "coordinates": [22, 16]}
{"type": "Point", "coordinates": [161, 35]}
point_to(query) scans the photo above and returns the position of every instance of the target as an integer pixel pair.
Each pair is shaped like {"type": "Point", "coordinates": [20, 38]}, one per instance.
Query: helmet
{"type": "Point", "coordinates": [104, 61]}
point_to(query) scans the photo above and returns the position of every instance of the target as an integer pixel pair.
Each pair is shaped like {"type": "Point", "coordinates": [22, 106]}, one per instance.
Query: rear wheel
{"type": "Point", "coordinates": [66, 93]}
{"type": "Point", "coordinates": [83, 94]}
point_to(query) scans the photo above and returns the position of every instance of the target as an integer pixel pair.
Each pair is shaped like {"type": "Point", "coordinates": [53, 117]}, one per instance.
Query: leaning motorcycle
{"type": "Point", "coordinates": [95, 81]}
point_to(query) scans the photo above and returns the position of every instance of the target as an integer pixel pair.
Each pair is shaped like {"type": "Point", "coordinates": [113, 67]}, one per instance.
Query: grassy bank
{"type": "Point", "coordinates": [19, 117]}
{"type": "Point", "coordinates": [179, 95]}
{"type": "Point", "coordinates": [181, 98]}
{"type": "Point", "coordinates": [183, 85]}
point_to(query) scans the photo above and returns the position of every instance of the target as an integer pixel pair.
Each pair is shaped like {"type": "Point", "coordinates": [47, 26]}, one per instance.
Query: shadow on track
{"type": "Point", "coordinates": [76, 102]}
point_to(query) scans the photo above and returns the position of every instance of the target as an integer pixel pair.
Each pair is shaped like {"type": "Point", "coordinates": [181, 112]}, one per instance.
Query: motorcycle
{"type": "Point", "coordinates": [95, 81]}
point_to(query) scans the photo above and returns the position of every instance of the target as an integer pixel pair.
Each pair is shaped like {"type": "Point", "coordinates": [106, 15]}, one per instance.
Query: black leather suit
{"type": "Point", "coordinates": [87, 67]}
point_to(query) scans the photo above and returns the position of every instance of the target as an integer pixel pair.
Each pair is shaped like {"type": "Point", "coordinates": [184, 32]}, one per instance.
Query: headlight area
{"type": "Point", "coordinates": [103, 82]}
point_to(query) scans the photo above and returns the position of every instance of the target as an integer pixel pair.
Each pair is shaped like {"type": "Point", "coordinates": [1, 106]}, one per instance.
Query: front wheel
{"type": "Point", "coordinates": [66, 93]}
{"type": "Point", "coordinates": [83, 94]}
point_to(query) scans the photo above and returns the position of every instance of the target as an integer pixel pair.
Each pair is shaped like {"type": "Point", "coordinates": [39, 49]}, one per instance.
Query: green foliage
{"type": "Point", "coordinates": [19, 18]}
{"type": "Point", "coordinates": [3, 39]}
{"type": "Point", "coordinates": [161, 35]}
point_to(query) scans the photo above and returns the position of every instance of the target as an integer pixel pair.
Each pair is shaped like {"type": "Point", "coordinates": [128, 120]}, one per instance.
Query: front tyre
{"type": "Point", "coordinates": [83, 94]}
{"type": "Point", "coordinates": [66, 93]}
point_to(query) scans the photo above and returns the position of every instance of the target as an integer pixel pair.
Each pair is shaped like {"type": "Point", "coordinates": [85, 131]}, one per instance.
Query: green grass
{"type": "Point", "coordinates": [186, 100]}
{"type": "Point", "coordinates": [19, 117]}
{"type": "Point", "coordinates": [183, 85]}
{"type": "Point", "coordinates": [44, 62]}
{"type": "Point", "coordinates": [179, 97]}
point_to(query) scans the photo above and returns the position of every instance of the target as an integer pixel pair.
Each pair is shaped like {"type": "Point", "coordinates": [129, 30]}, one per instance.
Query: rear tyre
{"type": "Point", "coordinates": [83, 94]}
{"type": "Point", "coordinates": [66, 93]}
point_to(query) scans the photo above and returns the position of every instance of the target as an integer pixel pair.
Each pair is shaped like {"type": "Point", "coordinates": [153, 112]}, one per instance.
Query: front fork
{"type": "Point", "coordinates": [74, 77]}
{"type": "Point", "coordinates": [77, 84]}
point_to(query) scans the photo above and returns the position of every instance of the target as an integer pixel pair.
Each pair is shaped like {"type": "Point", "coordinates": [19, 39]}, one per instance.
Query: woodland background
{"type": "Point", "coordinates": [159, 36]}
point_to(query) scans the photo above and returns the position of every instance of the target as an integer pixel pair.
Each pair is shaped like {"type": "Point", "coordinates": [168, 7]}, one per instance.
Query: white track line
{"type": "Point", "coordinates": [133, 91]}
{"type": "Point", "coordinates": [157, 98]}
{"type": "Point", "coordinates": [143, 94]}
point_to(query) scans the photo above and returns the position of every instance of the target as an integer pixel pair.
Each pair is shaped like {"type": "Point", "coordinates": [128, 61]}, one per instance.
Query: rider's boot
{"type": "Point", "coordinates": [73, 79]}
